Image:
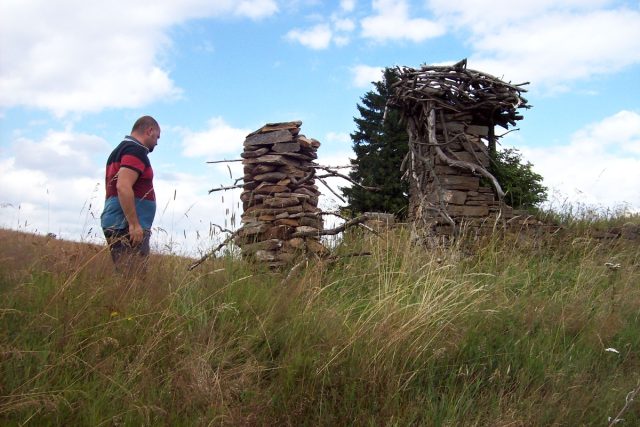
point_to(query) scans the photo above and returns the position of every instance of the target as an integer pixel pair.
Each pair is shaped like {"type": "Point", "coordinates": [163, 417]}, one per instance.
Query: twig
{"type": "Point", "coordinates": [507, 132]}
{"type": "Point", "coordinates": [332, 167]}
{"type": "Point", "coordinates": [465, 165]}
{"type": "Point", "coordinates": [333, 231]}
{"type": "Point", "coordinates": [231, 187]}
{"type": "Point", "coordinates": [213, 251]}
{"type": "Point", "coordinates": [294, 270]}
{"type": "Point", "coordinates": [224, 230]}
{"type": "Point", "coordinates": [630, 396]}
{"type": "Point", "coordinates": [339, 175]}
{"type": "Point", "coordinates": [331, 189]}
{"type": "Point", "coordinates": [304, 179]}
{"type": "Point", "coordinates": [366, 227]}
{"type": "Point", "coordinates": [225, 161]}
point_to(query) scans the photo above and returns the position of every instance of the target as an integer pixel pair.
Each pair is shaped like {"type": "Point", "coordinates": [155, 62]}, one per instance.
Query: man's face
{"type": "Point", "coordinates": [152, 135]}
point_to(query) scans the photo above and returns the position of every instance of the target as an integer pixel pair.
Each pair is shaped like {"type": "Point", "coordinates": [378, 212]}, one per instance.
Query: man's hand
{"type": "Point", "coordinates": [136, 235]}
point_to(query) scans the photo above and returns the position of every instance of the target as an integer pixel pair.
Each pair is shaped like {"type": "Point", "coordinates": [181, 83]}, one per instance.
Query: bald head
{"type": "Point", "coordinates": [143, 123]}
{"type": "Point", "coordinates": [146, 130]}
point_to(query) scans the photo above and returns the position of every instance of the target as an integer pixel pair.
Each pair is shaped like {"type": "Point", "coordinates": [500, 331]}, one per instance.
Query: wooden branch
{"type": "Point", "coordinates": [297, 267]}
{"type": "Point", "coordinates": [304, 179]}
{"type": "Point", "coordinates": [507, 132]}
{"type": "Point", "coordinates": [442, 211]}
{"type": "Point", "coordinates": [466, 165]}
{"type": "Point", "coordinates": [332, 167]}
{"type": "Point", "coordinates": [223, 230]}
{"type": "Point", "coordinates": [345, 177]}
{"type": "Point", "coordinates": [333, 231]}
{"type": "Point", "coordinates": [225, 161]}
{"type": "Point", "coordinates": [331, 189]}
{"type": "Point", "coordinates": [232, 187]}
{"type": "Point", "coordinates": [464, 141]}
{"type": "Point", "coordinates": [213, 251]}
{"type": "Point", "coordinates": [628, 400]}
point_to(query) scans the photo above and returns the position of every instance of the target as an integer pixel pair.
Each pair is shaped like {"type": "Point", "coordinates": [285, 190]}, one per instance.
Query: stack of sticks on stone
{"type": "Point", "coordinates": [279, 195]}
{"type": "Point", "coordinates": [450, 113]}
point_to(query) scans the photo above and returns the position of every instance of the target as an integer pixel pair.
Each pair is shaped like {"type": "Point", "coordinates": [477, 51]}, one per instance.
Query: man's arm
{"type": "Point", "coordinates": [126, 178]}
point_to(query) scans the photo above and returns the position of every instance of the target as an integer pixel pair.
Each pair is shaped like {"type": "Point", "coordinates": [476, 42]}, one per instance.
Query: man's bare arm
{"type": "Point", "coordinates": [126, 178]}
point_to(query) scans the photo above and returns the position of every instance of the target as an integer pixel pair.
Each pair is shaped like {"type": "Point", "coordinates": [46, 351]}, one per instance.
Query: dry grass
{"type": "Point", "coordinates": [511, 331]}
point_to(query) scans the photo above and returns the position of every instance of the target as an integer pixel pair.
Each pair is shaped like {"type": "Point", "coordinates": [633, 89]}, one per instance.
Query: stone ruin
{"type": "Point", "coordinates": [279, 197]}
{"type": "Point", "coordinates": [451, 113]}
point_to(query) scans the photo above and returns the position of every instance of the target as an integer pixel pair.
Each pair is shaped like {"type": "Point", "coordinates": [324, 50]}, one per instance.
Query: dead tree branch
{"type": "Point", "coordinates": [333, 231]}
{"type": "Point", "coordinates": [333, 173]}
{"type": "Point", "coordinates": [331, 189]}
{"type": "Point", "coordinates": [214, 250]}
{"type": "Point", "coordinates": [231, 187]}
{"type": "Point", "coordinates": [224, 161]}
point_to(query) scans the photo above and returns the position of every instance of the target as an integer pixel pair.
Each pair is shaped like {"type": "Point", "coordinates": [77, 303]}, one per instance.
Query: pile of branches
{"type": "Point", "coordinates": [458, 89]}
{"type": "Point", "coordinates": [450, 113]}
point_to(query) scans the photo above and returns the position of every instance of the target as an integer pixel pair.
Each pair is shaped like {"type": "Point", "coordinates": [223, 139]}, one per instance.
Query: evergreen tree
{"type": "Point", "coordinates": [380, 145]}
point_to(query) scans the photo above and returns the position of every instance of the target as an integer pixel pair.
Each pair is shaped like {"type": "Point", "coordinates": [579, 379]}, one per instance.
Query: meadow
{"type": "Point", "coordinates": [521, 329]}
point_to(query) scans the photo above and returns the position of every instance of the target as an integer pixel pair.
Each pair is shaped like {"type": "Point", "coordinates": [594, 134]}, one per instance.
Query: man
{"type": "Point", "coordinates": [130, 203]}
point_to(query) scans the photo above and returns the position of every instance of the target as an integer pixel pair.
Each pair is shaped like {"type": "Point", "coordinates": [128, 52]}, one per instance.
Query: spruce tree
{"type": "Point", "coordinates": [380, 143]}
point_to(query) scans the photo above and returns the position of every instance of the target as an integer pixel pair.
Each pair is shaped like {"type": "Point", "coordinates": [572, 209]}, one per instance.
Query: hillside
{"type": "Point", "coordinates": [518, 330]}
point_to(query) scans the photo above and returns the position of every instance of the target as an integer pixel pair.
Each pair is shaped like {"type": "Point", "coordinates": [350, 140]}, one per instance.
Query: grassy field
{"type": "Point", "coordinates": [513, 331]}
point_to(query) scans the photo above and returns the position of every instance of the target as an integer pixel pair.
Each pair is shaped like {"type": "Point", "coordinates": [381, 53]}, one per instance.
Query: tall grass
{"type": "Point", "coordinates": [516, 330]}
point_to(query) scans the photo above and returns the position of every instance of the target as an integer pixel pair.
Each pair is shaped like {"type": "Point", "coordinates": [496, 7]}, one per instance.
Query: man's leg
{"type": "Point", "coordinates": [128, 259]}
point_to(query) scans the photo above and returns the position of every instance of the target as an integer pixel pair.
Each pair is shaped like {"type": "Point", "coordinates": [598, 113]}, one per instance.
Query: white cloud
{"type": "Point", "coordinates": [363, 75]}
{"type": "Point", "coordinates": [546, 42]}
{"type": "Point", "coordinates": [71, 56]}
{"type": "Point", "coordinates": [53, 184]}
{"type": "Point", "coordinates": [317, 37]}
{"type": "Point", "coordinates": [563, 49]}
{"type": "Point", "coordinates": [60, 154]}
{"type": "Point", "coordinates": [336, 29]}
{"type": "Point", "coordinates": [341, 137]}
{"type": "Point", "coordinates": [486, 16]}
{"type": "Point", "coordinates": [599, 166]}
{"type": "Point", "coordinates": [48, 202]}
{"type": "Point", "coordinates": [344, 24]}
{"type": "Point", "coordinates": [255, 9]}
{"type": "Point", "coordinates": [348, 5]}
{"type": "Point", "coordinates": [392, 22]}
{"type": "Point", "coordinates": [219, 139]}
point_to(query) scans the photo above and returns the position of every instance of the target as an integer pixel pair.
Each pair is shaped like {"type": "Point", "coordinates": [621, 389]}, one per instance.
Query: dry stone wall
{"type": "Point", "coordinates": [280, 197]}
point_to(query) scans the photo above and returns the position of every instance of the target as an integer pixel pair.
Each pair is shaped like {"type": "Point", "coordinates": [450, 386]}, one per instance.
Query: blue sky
{"type": "Point", "coordinates": [74, 76]}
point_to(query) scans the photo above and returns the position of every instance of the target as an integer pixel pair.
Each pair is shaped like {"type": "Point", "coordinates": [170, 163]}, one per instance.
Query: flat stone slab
{"type": "Point", "coordinates": [268, 138]}
{"type": "Point", "coordinates": [286, 147]}
{"type": "Point", "coordinates": [273, 159]}
{"type": "Point", "coordinates": [270, 176]}
{"type": "Point", "coordinates": [270, 127]}
{"type": "Point", "coordinates": [253, 154]}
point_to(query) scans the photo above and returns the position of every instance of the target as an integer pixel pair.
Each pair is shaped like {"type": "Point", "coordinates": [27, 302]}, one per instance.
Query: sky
{"type": "Point", "coordinates": [76, 74]}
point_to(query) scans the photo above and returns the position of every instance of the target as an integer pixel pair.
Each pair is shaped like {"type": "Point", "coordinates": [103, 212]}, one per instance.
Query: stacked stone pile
{"type": "Point", "coordinates": [279, 195]}
{"type": "Point", "coordinates": [461, 190]}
